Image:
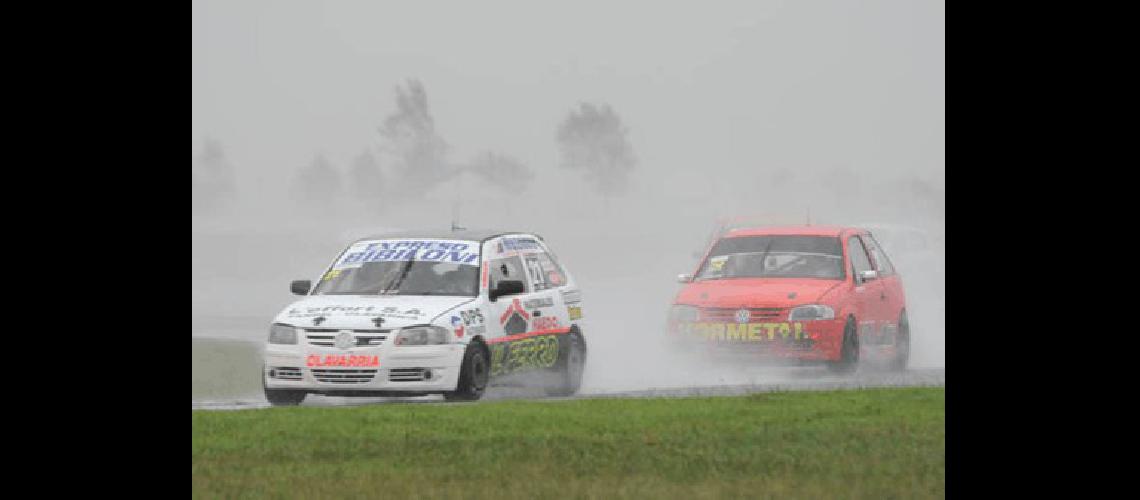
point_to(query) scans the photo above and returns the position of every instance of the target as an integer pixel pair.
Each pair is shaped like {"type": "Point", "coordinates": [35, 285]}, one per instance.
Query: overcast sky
{"type": "Point", "coordinates": [730, 86]}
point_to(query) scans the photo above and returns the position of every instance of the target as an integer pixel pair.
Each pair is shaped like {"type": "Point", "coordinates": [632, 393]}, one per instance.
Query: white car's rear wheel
{"type": "Point", "coordinates": [571, 367]}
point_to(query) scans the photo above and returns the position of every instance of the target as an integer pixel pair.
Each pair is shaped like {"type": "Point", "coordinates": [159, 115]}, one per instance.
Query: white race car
{"type": "Point", "coordinates": [437, 313]}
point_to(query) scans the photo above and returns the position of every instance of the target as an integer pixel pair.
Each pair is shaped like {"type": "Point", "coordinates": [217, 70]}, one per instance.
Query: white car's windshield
{"type": "Point", "coordinates": [404, 267]}
{"type": "Point", "coordinates": [775, 257]}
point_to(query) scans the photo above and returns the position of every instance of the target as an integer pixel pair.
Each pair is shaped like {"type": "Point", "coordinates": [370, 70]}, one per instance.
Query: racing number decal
{"type": "Point", "coordinates": [544, 273]}
{"type": "Point", "coordinates": [537, 278]}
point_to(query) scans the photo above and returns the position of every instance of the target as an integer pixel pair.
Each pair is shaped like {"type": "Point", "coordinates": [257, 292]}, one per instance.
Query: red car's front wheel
{"type": "Point", "coordinates": [848, 352]}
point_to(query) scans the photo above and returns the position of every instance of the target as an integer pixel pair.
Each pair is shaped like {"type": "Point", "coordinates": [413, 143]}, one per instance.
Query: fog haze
{"type": "Point", "coordinates": [771, 109]}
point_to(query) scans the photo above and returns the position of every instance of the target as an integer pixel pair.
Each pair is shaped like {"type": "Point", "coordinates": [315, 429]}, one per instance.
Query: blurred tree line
{"type": "Point", "coordinates": [212, 182]}
{"type": "Point", "coordinates": [411, 157]}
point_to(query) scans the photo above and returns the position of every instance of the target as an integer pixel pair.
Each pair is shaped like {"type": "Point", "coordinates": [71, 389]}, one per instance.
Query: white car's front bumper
{"type": "Point", "coordinates": [401, 368]}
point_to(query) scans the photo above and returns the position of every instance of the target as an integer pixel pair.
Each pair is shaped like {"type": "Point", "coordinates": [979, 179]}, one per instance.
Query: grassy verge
{"type": "Point", "coordinates": [882, 443]}
{"type": "Point", "coordinates": [224, 369]}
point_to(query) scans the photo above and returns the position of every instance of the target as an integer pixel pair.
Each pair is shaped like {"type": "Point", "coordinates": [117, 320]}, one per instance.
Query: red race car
{"type": "Point", "coordinates": [812, 293]}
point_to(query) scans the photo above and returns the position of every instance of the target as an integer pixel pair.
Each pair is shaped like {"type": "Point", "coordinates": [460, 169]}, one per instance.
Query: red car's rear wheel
{"type": "Point", "coordinates": [902, 344]}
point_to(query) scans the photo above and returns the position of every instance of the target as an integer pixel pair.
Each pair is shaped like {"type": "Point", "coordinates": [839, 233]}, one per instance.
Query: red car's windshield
{"type": "Point", "coordinates": [775, 257]}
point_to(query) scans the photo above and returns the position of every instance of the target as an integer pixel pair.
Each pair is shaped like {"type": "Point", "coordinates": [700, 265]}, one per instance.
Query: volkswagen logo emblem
{"type": "Point", "coordinates": [742, 316]}
{"type": "Point", "coordinates": [345, 340]}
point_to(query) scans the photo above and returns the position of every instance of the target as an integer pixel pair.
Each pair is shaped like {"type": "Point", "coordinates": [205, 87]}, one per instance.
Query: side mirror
{"type": "Point", "coordinates": [869, 275]}
{"type": "Point", "coordinates": [300, 287]}
{"type": "Point", "coordinates": [684, 278]}
{"type": "Point", "coordinates": [506, 287]}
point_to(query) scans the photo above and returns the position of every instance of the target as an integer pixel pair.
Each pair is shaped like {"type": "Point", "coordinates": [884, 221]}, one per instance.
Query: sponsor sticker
{"type": "Point", "coordinates": [514, 319]}
{"type": "Point", "coordinates": [745, 332]}
{"type": "Point", "coordinates": [472, 317]}
{"type": "Point", "coordinates": [457, 324]}
{"type": "Point", "coordinates": [362, 252]}
{"type": "Point", "coordinates": [533, 352]}
{"type": "Point", "coordinates": [545, 322]}
{"type": "Point", "coordinates": [574, 312]}
{"type": "Point", "coordinates": [717, 263]}
{"type": "Point", "coordinates": [393, 312]}
{"type": "Point", "coordinates": [519, 244]}
{"type": "Point", "coordinates": [314, 360]}
{"type": "Point", "coordinates": [539, 302]}
{"type": "Point", "coordinates": [571, 296]}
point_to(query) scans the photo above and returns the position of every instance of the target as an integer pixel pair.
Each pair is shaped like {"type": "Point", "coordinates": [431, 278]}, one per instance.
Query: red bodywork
{"type": "Point", "coordinates": [875, 305]}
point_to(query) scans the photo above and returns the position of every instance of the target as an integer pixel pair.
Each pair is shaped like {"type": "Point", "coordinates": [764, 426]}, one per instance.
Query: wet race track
{"type": "Point", "coordinates": [802, 379]}
{"type": "Point", "coordinates": [218, 386]}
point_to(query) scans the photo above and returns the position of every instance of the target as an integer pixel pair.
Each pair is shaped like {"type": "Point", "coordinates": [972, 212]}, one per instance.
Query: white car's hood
{"type": "Point", "coordinates": [361, 311]}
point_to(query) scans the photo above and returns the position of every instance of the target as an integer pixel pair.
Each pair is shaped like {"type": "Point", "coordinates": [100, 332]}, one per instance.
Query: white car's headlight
{"type": "Point", "coordinates": [811, 312]}
{"type": "Point", "coordinates": [682, 313]}
{"type": "Point", "coordinates": [282, 334]}
{"type": "Point", "coordinates": [423, 335]}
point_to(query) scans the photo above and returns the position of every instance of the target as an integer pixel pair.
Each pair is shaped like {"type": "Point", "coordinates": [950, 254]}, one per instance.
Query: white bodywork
{"type": "Point", "coordinates": [346, 350]}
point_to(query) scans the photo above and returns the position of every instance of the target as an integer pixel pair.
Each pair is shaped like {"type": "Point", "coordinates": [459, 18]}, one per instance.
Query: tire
{"type": "Point", "coordinates": [284, 397]}
{"type": "Point", "coordinates": [570, 368]}
{"type": "Point", "coordinates": [849, 354]}
{"type": "Point", "coordinates": [281, 397]}
{"type": "Point", "coordinates": [473, 374]}
{"type": "Point", "coordinates": [902, 345]}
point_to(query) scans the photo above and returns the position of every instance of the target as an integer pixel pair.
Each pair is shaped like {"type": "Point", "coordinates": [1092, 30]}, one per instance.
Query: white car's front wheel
{"type": "Point", "coordinates": [282, 397]}
{"type": "Point", "coordinates": [473, 374]}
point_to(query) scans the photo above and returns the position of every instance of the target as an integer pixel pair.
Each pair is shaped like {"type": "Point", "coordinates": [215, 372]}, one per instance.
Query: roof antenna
{"type": "Point", "coordinates": [454, 226]}
{"type": "Point", "coordinates": [809, 215]}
